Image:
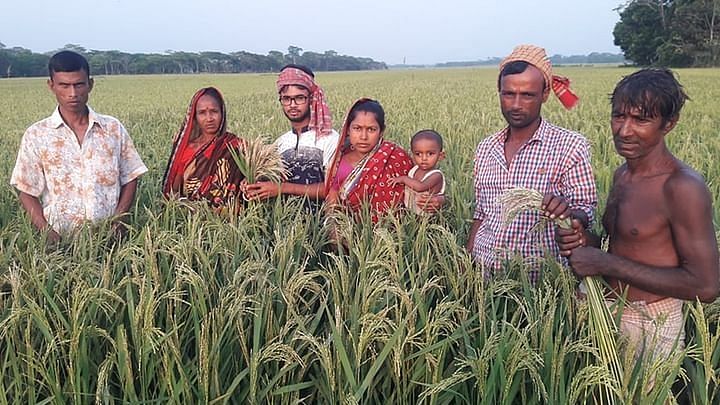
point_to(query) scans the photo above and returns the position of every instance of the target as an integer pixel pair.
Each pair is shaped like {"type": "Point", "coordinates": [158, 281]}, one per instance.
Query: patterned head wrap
{"type": "Point", "coordinates": [537, 57]}
{"type": "Point", "coordinates": [320, 118]}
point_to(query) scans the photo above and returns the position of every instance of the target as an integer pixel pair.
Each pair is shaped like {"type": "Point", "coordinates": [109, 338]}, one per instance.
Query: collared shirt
{"type": "Point", "coordinates": [554, 160]}
{"type": "Point", "coordinates": [306, 156]}
{"type": "Point", "coordinates": [76, 182]}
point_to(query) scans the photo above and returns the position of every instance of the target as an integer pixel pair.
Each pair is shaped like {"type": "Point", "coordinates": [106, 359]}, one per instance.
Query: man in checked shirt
{"type": "Point", "coordinates": [531, 153]}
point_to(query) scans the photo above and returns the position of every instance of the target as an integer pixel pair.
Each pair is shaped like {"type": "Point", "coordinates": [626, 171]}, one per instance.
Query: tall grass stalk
{"type": "Point", "coordinates": [259, 161]}
{"type": "Point", "coordinates": [602, 326]}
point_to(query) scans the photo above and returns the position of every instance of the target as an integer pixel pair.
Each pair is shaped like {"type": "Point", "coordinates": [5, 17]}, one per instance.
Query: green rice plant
{"type": "Point", "coordinates": [259, 161]}
{"type": "Point", "coordinates": [602, 327]}
{"type": "Point", "coordinates": [704, 357]}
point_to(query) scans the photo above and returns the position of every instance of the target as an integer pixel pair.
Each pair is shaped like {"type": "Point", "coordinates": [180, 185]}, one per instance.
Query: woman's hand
{"type": "Point", "coordinates": [261, 190]}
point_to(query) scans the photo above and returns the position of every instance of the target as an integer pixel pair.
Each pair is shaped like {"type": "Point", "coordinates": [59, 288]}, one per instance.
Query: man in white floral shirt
{"type": "Point", "coordinates": [75, 165]}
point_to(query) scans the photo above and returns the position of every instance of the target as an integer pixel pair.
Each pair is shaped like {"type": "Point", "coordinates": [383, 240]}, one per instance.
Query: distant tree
{"type": "Point", "coordinates": [641, 30]}
{"type": "Point", "coordinates": [72, 47]}
{"type": "Point", "coordinates": [5, 62]}
{"type": "Point", "coordinates": [696, 32]}
{"type": "Point", "coordinates": [329, 56]}
{"type": "Point", "coordinates": [99, 62]}
{"type": "Point", "coordinates": [277, 60]}
{"type": "Point", "coordinates": [313, 60]}
{"type": "Point", "coordinates": [187, 62]}
{"type": "Point", "coordinates": [294, 53]}
{"type": "Point", "coordinates": [23, 62]}
{"type": "Point", "coordinates": [216, 62]}
{"type": "Point", "coordinates": [670, 32]}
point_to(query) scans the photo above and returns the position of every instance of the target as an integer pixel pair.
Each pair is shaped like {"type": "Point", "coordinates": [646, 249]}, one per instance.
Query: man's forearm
{"type": "Point", "coordinates": [127, 196]}
{"type": "Point", "coordinates": [315, 191]}
{"type": "Point", "coordinates": [471, 235]}
{"type": "Point", "coordinates": [677, 282]}
{"type": "Point", "coordinates": [34, 209]}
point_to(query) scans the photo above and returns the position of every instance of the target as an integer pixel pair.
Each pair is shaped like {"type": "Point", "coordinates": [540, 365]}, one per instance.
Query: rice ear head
{"type": "Point", "coordinates": [258, 160]}
{"type": "Point", "coordinates": [602, 327]}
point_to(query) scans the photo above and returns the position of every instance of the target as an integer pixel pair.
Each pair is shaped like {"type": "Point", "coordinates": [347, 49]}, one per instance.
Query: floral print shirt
{"type": "Point", "coordinates": [76, 182]}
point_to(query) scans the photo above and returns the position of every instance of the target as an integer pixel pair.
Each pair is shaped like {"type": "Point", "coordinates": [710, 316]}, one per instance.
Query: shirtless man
{"type": "Point", "coordinates": [662, 246]}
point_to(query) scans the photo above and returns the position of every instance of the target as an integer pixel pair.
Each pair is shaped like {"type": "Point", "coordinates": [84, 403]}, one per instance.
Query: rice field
{"type": "Point", "coordinates": [199, 308]}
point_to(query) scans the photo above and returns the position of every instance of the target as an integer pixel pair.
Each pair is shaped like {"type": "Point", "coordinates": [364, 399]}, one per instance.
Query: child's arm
{"type": "Point", "coordinates": [432, 183]}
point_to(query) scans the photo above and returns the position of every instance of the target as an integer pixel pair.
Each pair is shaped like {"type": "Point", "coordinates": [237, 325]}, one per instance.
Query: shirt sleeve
{"type": "Point", "coordinates": [131, 165]}
{"type": "Point", "coordinates": [28, 175]}
{"type": "Point", "coordinates": [329, 150]}
{"type": "Point", "coordinates": [579, 181]}
{"type": "Point", "coordinates": [479, 214]}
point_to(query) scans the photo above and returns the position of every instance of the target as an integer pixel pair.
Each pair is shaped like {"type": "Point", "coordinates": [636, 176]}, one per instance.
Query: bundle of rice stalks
{"type": "Point", "coordinates": [601, 325]}
{"type": "Point", "coordinates": [260, 161]}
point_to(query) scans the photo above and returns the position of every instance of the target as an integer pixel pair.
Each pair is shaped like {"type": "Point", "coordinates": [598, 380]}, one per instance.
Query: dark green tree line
{"type": "Point", "coordinates": [21, 62]}
{"type": "Point", "coordinates": [674, 33]}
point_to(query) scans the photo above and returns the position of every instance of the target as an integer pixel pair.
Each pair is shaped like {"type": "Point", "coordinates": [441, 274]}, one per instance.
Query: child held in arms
{"type": "Point", "coordinates": [427, 150]}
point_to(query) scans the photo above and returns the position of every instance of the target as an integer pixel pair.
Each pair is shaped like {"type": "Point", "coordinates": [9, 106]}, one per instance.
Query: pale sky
{"type": "Point", "coordinates": [421, 31]}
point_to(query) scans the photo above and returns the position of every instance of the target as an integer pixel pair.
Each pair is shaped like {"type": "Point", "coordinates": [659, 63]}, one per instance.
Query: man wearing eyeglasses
{"type": "Point", "coordinates": [308, 148]}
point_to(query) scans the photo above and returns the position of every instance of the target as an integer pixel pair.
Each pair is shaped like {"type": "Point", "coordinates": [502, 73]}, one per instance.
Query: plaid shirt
{"type": "Point", "coordinates": [554, 160]}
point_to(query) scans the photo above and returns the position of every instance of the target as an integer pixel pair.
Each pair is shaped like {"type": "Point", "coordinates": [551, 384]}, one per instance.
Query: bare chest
{"type": "Point", "coordinates": [636, 214]}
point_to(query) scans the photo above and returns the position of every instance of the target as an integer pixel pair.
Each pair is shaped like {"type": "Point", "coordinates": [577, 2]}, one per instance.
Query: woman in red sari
{"type": "Point", "coordinates": [201, 166]}
{"type": "Point", "coordinates": [365, 162]}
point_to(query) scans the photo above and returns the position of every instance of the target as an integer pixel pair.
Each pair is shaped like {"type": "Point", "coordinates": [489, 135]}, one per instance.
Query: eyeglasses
{"type": "Point", "coordinates": [299, 100]}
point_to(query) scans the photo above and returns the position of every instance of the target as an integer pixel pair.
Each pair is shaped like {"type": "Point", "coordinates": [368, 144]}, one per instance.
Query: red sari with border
{"type": "Point", "coordinates": [208, 173]}
{"type": "Point", "coordinates": [368, 182]}
{"type": "Point", "coordinates": [389, 161]}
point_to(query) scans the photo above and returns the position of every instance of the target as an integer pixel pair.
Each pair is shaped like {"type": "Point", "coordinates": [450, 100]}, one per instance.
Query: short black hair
{"type": "Point", "coordinates": [427, 134]}
{"type": "Point", "coordinates": [369, 106]}
{"type": "Point", "coordinates": [514, 68]}
{"type": "Point", "coordinates": [68, 61]}
{"type": "Point", "coordinates": [301, 67]}
{"type": "Point", "coordinates": [655, 92]}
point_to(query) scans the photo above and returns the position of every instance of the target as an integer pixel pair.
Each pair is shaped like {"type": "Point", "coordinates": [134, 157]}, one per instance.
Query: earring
{"type": "Point", "coordinates": [352, 147]}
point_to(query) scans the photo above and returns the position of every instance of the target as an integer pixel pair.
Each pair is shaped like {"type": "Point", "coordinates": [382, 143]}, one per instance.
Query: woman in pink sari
{"type": "Point", "coordinates": [365, 163]}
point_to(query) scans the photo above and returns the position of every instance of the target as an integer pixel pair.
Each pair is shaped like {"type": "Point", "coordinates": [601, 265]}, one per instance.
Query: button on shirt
{"type": "Point", "coordinates": [74, 182]}
{"type": "Point", "coordinates": [554, 160]}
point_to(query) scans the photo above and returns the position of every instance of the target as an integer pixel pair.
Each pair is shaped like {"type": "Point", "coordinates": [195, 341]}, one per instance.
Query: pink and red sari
{"type": "Point", "coordinates": [208, 173]}
{"type": "Point", "coordinates": [368, 181]}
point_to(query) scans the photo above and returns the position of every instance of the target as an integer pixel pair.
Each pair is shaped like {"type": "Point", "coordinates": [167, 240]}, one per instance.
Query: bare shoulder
{"type": "Point", "coordinates": [619, 172]}
{"type": "Point", "coordinates": [434, 178]}
{"type": "Point", "coordinates": [686, 188]}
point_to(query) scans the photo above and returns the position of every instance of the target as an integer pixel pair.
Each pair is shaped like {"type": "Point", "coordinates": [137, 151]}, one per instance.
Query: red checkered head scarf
{"type": "Point", "coordinates": [320, 117]}
{"type": "Point", "coordinates": [537, 57]}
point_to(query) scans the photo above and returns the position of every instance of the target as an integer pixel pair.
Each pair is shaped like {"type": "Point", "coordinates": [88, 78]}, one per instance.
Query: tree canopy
{"type": "Point", "coordinates": [674, 33]}
{"type": "Point", "coordinates": [21, 62]}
